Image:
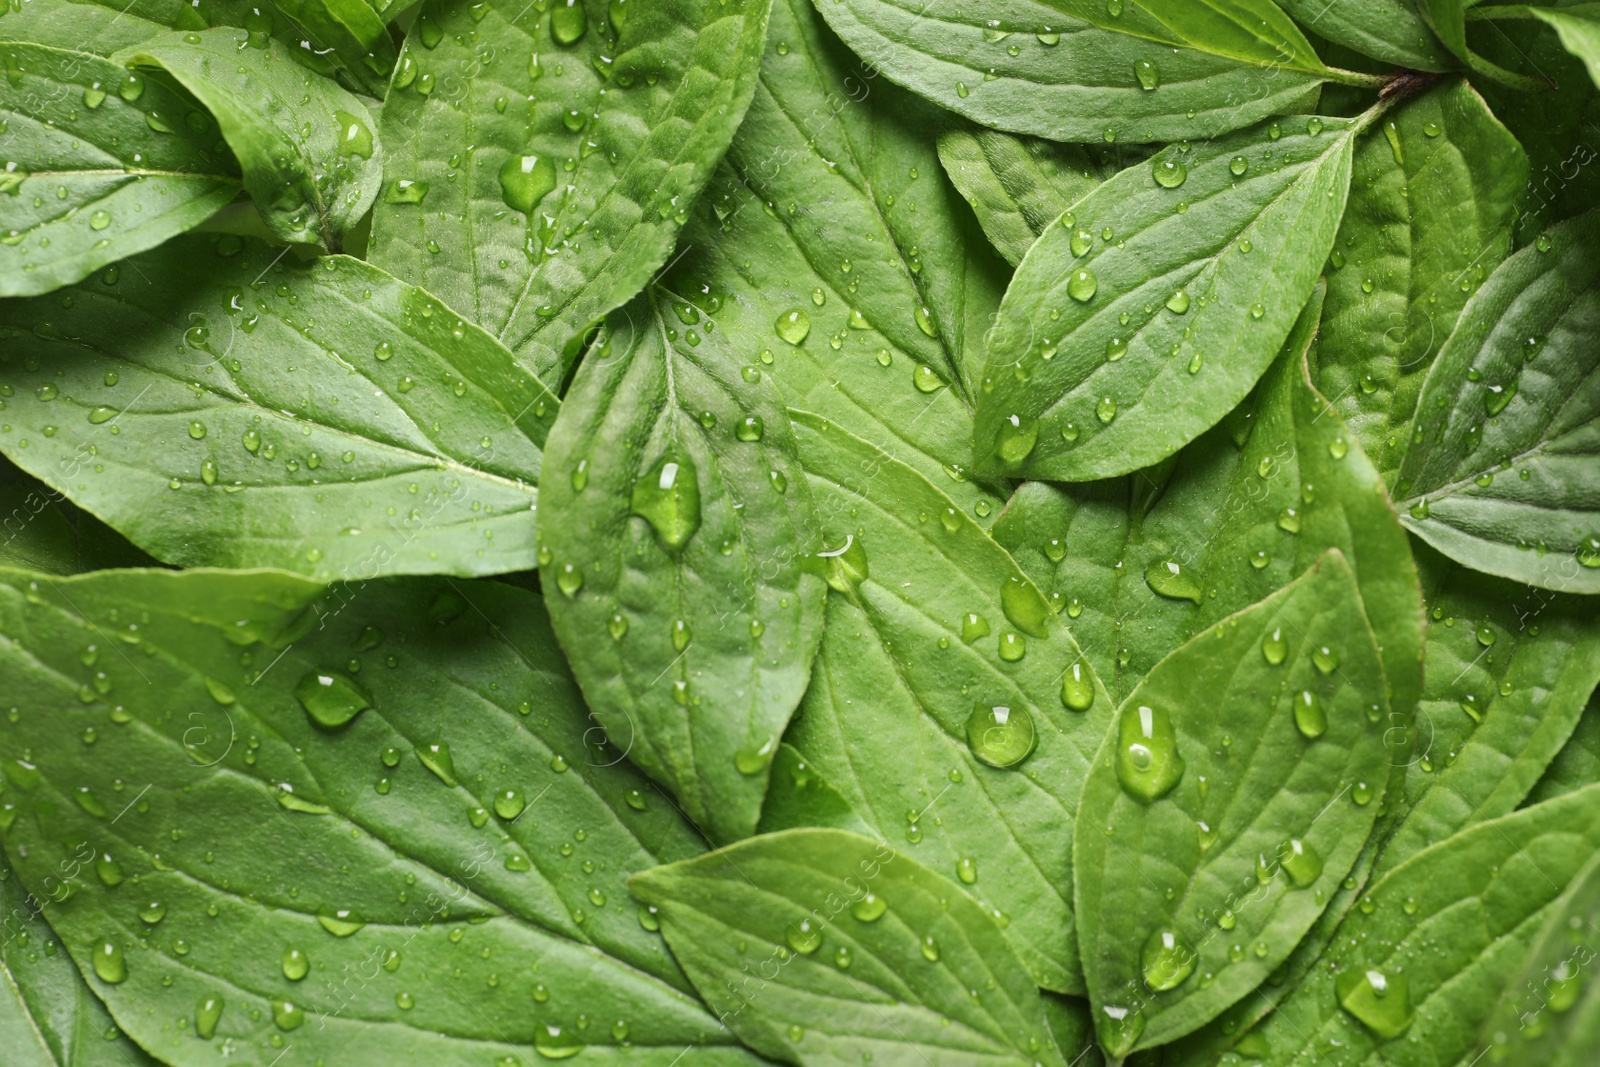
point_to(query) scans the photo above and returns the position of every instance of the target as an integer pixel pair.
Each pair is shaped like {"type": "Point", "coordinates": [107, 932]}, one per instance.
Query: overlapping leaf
{"type": "Point", "coordinates": [854, 950]}
{"type": "Point", "coordinates": [677, 521]}
{"type": "Point", "coordinates": [1501, 471]}
{"type": "Point", "coordinates": [1390, 30]}
{"type": "Point", "coordinates": [840, 257]}
{"type": "Point", "coordinates": [1432, 204]}
{"type": "Point", "coordinates": [1135, 326]}
{"type": "Point", "coordinates": [1578, 763]}
{"type": "Point", "coordinates": [948, 705]}
{"type": "Point", "coordinates": [1232, 796]}
{"type": "Point", "coordinates": [99, 165]}
{"type": "Point", "coordinates": [279, 828]}
{"type": "Point", "coordinates": [1578, 26]}
{"type": "Point", "coordinates": [1089, 70]}
{"type": "Point", "coordinates": [544, 156]}
{"type": "Point", "coordinates": [307, 148]}
{"type": "Point", "coordinates": [41, 531]}
{"type": "Point", "coordinates": [222, 405]}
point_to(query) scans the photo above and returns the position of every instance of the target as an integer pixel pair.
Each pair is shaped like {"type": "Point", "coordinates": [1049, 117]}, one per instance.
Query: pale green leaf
{"type": "Point", "coordinates": [675, 519]}
{"type": "Point", "coordinates": [222, 406]}
{"type": "Point", "coordinates": [925, 980]}
{"type": "Point", "coordinates": [536, 179]}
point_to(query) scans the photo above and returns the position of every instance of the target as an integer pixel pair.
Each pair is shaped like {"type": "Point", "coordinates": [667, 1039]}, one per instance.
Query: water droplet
{"type": "Point", "coordinates": [803, 937]}
{"type": "Point", "coordinates": [1165, 961]}
{"type": "Point", "coordinates": [405, 191]}
{"type": "Point", "coordinates": [568, 22]}
{"type": "Point", "coordinates": [1274, 647]}
{"type": "Point", "coordinates": [667, 496]}
{"type": "Point", "coordinates": [108, 870]}
{"type": "Point", "coordinates": [1238, 165]}
{"type": "Point", "coordinates": [1313, 125]}
{"type": "Point", "coordinates": [1024, 605]}
{"type": "Point", "coordinates": [1169, 578]}
{"type": "Point", "coordinates": [295, 964]}
{"type": "Point", "coordinates": [1077, 687]}
{"type": "Point", "coordinates": [1178, 302]}
{"type": "Point", "coordinates": [524, 181]}
{"type": "Point", "coordinates": [1149, 77]}
{"type": "Point", "coordinates": [197, 430]}
{"type": "Point", "coordinates": [967, 870]}
{"type": "Point", "coordinates": [436, 757]}
{"type": "Point", "coordinates": [509, 803]}
{"type": "Point", "coordinates": [973, 626]}
{"type": "Point", "coordinates": [152, 913]}
{"type": "Point", "coordinates": [1106, 409]}
{"type": "Point", "coordinates": [869, 909]}
{"type": "Point", "coordinates": [1309, 717]}
{"type": "Point", "coordinates": [207, 1013]}
{"type": "Point", "coordinates": [1081, 286]}
{"type": "Point", "coordinates": [926, 379]}
{"type": "Point", "coordinates": [1080, 242]}
{"type": "Point", "coordinates": [1300, 862]}
{"type": "Point", "coordinates": [569, 579]}
{"type": "Point", "coordinates": [924, 320]}
{"type": "Point", "coordinates": [793, 326]}
{"type": "Point", "coordinates": [1325, 659]}
{"type": "Point", "coordinates": [750, 428]}
{"type": "Point", "coordinates": [355, 138]}
{"type": "Point", "coordinates": [1017, 438]}
{"type": "Point", "coordinates": [1148, 762]}
{"type": "Point", "coordinates": [340, 922]}
{"type": "Point", "coordinates": [1380, 1001]}
{"type": "Point", "coordinates": [109, 963]}
{"type": "Point", "coordinates": [753, 760]}
{"type": "Point", "coordinates": [1000, 736]}
{"type": "Point", "coordinates": [331, 698]}
{"type": "Point", "coordinates": [1170, 173]}
{"type": "Point", "coordinates": [1498, 396]}
{"type": "Point", "coordinates": [930, 948]}
{"type": "Point", "coordinates": [845, 567]}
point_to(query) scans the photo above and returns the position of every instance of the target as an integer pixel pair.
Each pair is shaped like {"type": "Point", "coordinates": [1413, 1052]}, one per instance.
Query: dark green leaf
{"type": "Point", "coordinates": [1446, 932]}
{"type": "Point", "coordinates": [1550, 1014]}
{"type": "Point", "coordinates": [1502, 470]}
{"type": "Point", "coordinates": [178, 789]}
{"type": "Point", "coordinates": [310, 155]}
{"type": "Point", "coordinates": [936, 644]}
{"type": "Point", "coordinates": [88, 185]}
{"type": "Point", "coordinates": [41, 531]}
{"type": "Point", "coordinates": [1578, 763]}
{"type": "Point", "coordinates": [1230, 799]}
{"type": "Point", "coordinates": [1239, 513]}
{"type": "Point", "coordinates": [834, 246]}
{"type": "Point", "coordinates": [675, 523]}
{"type": "Point", "coordinates": [537, 180]}
{"type": "Point", "coordinates": [350, 29]}
{"type": "Point", "coordinates": [1133, 326]}
{"type": "Point", "coordinates": [1578, 26]}
{"type": "Point", "coordinates": [1091, 70]}
{"type": "Point", "coordinates": [820, 948]}
{"type": "Point", "coordinates": [1431, 208]}
{"type": "Point", "coordinates": [1018, 186]}
{"type": "Point", "coordinates": [1390, 30]}
{"type": "Point", "coordinates": [242, 410]}
{"type": "Point", "coordinates": [1449, 21]}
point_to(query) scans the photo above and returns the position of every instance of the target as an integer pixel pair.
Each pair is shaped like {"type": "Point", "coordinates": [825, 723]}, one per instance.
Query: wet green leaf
{"type": "Point", "coordinates": [923, 976]}
{"type": "Point", "coordinates": [222, 404]}
{"type": "Point", "coordinates": [936, 644]}
{"type": "Point", "coordinates": [676, 519]}
{"type": "Point", "coordinates": [205, 844]}
{"type": "Point", "coordinates": [536, 179]}
{"type": "Point", "coordinates": [1134, 326]}
{"type": "Point", "coordinates": [1091, 70]}
{"type": "Point", "coordinates": [1390, 30]}
{"type": "Point", "coordinates": [1501, 470]}
{"type": "Point", "coordinates": [309, 152]}
{"type": "Point", "coordinates": [87, 186]}
{"type": "Point", "coordinates": [1578, 763]}
{"type": "Point", "coordinates": [1578, 26]}
{"type": "Point", "coordinates": [1233, 794]}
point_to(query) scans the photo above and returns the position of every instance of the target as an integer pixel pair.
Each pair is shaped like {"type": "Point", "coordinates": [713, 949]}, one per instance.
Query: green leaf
{"type": "Point", "coordinates": [350, 29]}
{"type": "Point", "coordinates": [1230, 799]}
{"type": "Point", "coordinates": [1133, 327]}
{"type": "Point", "coordinates": [40, 530]}
{"type": "Point", "coordinates": [841, 258]}
{"type": "Point", "coordinates": [1446, 932]}
{"type": "Point", "coordinates": [1089, 70]}
{"type": "Point", "coordinates": [1578, 763]}
{"type": "Point", "coordinates": [90, 26]}
{"type": "Point", "coordinates": [48, 1016]}
{"type": "Point", "coordinates": [1449, 21]}
{"type": "Point", "coordinates": [1018, 186]}
{"type": "Point", "coordinates": [90, 185]}
{"type": "Point", "coordinates": [310, 156]}
{"type": "Point", "coordinates": [1390, 30]}
{"type": "Point", "coordinates": [1239, 513]}
{"type": "Point", "coordinates": [319, 417]}
{"type": "Point", "coordinates": [1550, 1014]}
{"type": "Point", "coordinates": [537, 181]}
{"type": "Point", "coordinates": [336, 887]}
{"type": "Point", "coordinates": [1430, 214]}
{"type": "Point", "coordinates": [1501, 472]}
{"type": "Point", "coordinates": [1578, 26]}
{"type": "Point", "coordinates": [675, 524]}
{"type": "Point", "coordinates": [870, 954]}
{"type": "Point", "coordinates": [936, 644]}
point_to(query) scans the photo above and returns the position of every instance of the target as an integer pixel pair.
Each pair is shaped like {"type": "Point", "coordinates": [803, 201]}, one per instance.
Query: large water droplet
{"type": "Point", "coordinates": [1309, 718]}
{"type": "Point", "coordinates": [207, 1013]}
{"type": "Point", "coordinates": [845, 567]}
{"type": "Point", "coordinates": [1024, 605]}
{"type": "Point", "coordinates": [340, 922]}
{"type": "Point", "coordinates": [1165, 961]}
{"type": "Point", "coordinates": [1170, 173]}
{"type": "Point", "coordinates": [109, 963]}
{"type": "Point", "coordinates": [869, 909]}
{"type": "Point", "coordinates": [999, 735]}
{"type": "Point", "coordinates": [1149, 77]}
{"type": "Point", "coordinates": [1274, 648]}
{"type": "Point", "coordinates": [793, 326]}
{"type": "Point", "coordinates": [355, 138]}
{"type": "Point", "coordinates": [1381, 1001]}
{"type": "Point", "coordinates": [1077, 687]}
{"type": "Point", "coordinates": [568, 21]}
{"type": "Point", "coordinates": [1017, 437]}
{"type": "Point", "coordinates": [1148, 763]}
{"type": "Point", "coordinates": [331, 698]}
{"type": "Point", "coordinates": [524, 181]}
{"type": "Point", "coordinates": [436, 757]}
{"type": "Point", "coordinates": [803, 937]}
{"type": "Point", "coordinates": [1082, 285]}
{"type": "Point", "coordinates": [667, 496]}
{"type": "Point", "coordinates": [1169, 578]}
{"type": "Point", "coordinates": [295, 964]}
{"type": "Point", "coordinates": [1300, 862]}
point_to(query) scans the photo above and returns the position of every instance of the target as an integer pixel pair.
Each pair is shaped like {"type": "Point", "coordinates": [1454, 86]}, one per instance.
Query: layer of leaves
{"type": "Point", "coordinates": [101, 165]}
{"type": "Point", "coordinates": [1578, 762]}
{"type": "Point", "coordinates": [544, 156]}
{"type": "Point", "coordinates": [930, 625]}
{"type": "Point", "coordinates": [1281, 763]}
{"type": "Point", "coordinates": [311, 160]}
{"type": "Point", "coordinates": [834, 250]}
{"type": "Point", "coordinates": [320, 417]}
{"type": "Point", "coordinates": [41, 530]}
{"type": "Point", "coordinates": [819, 947]}
{"type": "Point", "coordinates": [1087, 70]}
{"type": "Point", "coordinates": [1501, 472]}
{"type": "Point", "coordinates": [1390, 30]}
{"type": "Point", "coordinates": [677, 521]}
{"type": "Point", "coordinates": [1578, 26]}
{"type": "Point", "coordinates": [1430, 215]}
{"type": "Point", "coordinates": [1133, 327]}
{"type": "Point", "coordinates": [279, 829]}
